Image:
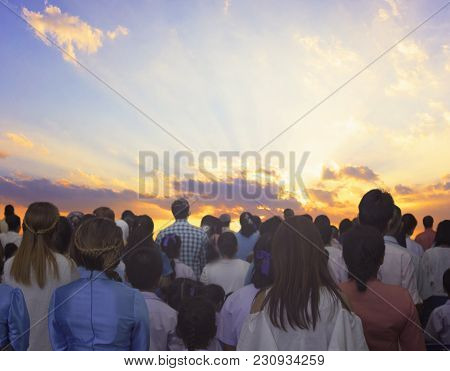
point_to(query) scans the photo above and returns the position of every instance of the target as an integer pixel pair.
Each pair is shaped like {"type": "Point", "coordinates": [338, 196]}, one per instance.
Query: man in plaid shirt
{"type": "Point", "coordinates": [194, 240]}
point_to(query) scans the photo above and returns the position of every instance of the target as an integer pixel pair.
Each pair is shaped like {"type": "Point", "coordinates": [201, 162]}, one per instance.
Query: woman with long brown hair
{"type": "Point", "coordinates": [37, 270]}
{"type": "Point", "coordinates": [98, 311]}
{"type": "Point", "coordinates": [303, 309]}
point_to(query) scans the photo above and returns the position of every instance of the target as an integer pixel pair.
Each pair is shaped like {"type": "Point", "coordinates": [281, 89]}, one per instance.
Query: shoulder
{"type": "Point", "coordinates": [6, 289]}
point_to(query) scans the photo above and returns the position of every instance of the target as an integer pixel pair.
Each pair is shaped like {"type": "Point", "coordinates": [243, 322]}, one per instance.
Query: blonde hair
{"type": "Point", "coordinates": [35, 252]}
{"type": "Point", "coordinates": [98, 246]}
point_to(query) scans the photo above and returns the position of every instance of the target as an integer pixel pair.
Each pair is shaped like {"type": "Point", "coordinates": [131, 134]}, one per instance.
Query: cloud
{"type": "Point", "coordinates": [226, 6]}
{"type": "Point", "coordinates": [356, 172]}
{"type": "Point", "coordinates": [70, 32]}
{"type": "Point", "coordinates": [20, 140]}
{"type": "Point", "coordinates": [3, 155]}
{"type": "Point", "coordinates": [403, 190]}
{"type": "Point", "coordinates": [23, 141]}
{"type": "Point", "coordinates": [120, 30]}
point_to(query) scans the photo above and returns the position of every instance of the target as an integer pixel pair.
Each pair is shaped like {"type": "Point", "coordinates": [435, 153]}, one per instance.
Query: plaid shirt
{"type": "Point", "coordinates": [194, 243]}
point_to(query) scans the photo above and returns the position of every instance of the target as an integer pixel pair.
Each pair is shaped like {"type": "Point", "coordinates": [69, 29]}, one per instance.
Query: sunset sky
{"type": "Point", "coordinates": [226, 76]}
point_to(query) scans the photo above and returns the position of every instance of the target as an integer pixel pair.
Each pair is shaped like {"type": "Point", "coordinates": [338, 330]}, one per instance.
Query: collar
{"type": "Point", "coordinates": [390, 239]}
{"type": "Point", "coordinates": [92, 275]}
{"type": "Point", "coordinates": [150, 295]}
{"type": "Point", "coordinates": [177, 221]}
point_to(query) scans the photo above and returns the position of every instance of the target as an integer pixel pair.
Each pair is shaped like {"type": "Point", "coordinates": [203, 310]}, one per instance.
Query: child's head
{"type": "Point", "coordinates": [171, 245]}
{"type": "Point", "coordinates": [227, 244]}
{"type": "Point", "coordinates": [214, 293]}
{"type": "Point", "coordinates": [196, 323]}
{"type": "Point", "coordinates": [143, 268]}
{"type": "Point", "coordinates": [181, 289]}
{"type": "Point", "coordinates": [446, 281]}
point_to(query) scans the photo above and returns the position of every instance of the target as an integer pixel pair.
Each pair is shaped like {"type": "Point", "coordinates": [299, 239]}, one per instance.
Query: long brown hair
{"type": "Point", "coordinates": [98, 246]}
{"type": "Point", "coordinates": [300, 273]}
{"type": "Point", "coordinates": [35, 253]}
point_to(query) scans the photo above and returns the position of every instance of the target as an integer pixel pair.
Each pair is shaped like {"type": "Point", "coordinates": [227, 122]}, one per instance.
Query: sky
{"type": "Point", "coordinates": [225, 75]}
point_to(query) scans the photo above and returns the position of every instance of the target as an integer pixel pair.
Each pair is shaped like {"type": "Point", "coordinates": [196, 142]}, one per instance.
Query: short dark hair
{"type": "Point", "coordinates": [10, 250]}
{"type": "Point", "coordinates": [307, 216]}
{"type": "Point", "coordinates": [9, 210]}
{"type": "Point", "coordinates": [196, 323]}
{"type": "Point", "coordinates": [323, 224]}
{"type": "Point", "coordinates": [443, 234]}
{"type": "Point", "coordinates": [363, 251]}
{"type": "Point", "coordinates": [428, 221]}
{"type": "Point", "coordinates": [227, 244]}
{"type": "Point", "coordinates": [180, 289]}
{"type": "Point", "coordinates": [344, 226]}
{"type": "Point", "coordinates": [409, 223]}
{"type": "Point", "coordinates": [105, 212]}
{"type": "Point", "coordinates": [13, 222]}
{"type": "Point", "coordinates": [214, 293]}
{"type": "Point", "coordinates": [180, 208]}
{"type": "Point", "coordinates": [376, 209]}
{"type": "Point", "coordinates": [62, 236]}
{"type": "Point", "coordinates": [287, 213]}
{"type": "Point", "coordinates": [144, 268]}
{"type": "Point", "coordinates": [446, 281]}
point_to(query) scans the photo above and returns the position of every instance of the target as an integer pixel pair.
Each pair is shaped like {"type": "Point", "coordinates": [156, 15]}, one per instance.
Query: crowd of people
{"type": "Point", "coordinates": [290, 282]}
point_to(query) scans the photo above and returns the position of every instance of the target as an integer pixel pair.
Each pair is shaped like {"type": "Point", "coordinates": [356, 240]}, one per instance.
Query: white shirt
{"type": "Point", "coordinates": [434, 263]}
{"type": "Point", "coordinates": [163, 323]}
{"type": "Point", "coordinates": [336, 264]}
{"type": "Point", "coordinates": [3, 226]}
{"type": "Point", "coordinates": [10, 237]}
{"type": "Point", "coordinates": [398, 268]}
{"type": "Point", "coordinates": [38, 299]}
{"type": "Point", "coordinates": [184, 271]}
{"type": "Point", "coordinates": [414, 247]}
{"type": "Point", "coordinates": [438, 326]}
{"type": "Point", "coordinates": [228, 273]}
{"type": "Point", "coordinates": [233, 314]}
{"type": "Point", "coordinates": [336, 329]}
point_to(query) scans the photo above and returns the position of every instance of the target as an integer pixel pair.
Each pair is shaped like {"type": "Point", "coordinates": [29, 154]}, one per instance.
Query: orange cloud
{"type": "Point", "coordinates": [71, 33]}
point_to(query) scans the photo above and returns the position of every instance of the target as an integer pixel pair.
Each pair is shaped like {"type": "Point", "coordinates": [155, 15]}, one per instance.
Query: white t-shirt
{"type": "Point", "coordinates": [184, 271]}
{"type": "Point", "coordinates": [434, 263]}
{"type": "Point", "coordinates": [233, 314]}
{"type": "Point", "coordinates": [336, 329]}
{"type": "Point", "coordinates": [398, 268]}
{"type": "Point", "coordinates": [38, 299]}
{"type": "Point", "coordinates": [10, 237]}
{"type": "Point", "coordinates": [228, 273]}
{"type": "Point", "coordinates": [414, 247]}
{"type": "Point", "coordinates": [336, 264]}
{"type": "Point", "coordinates": [163, 323]}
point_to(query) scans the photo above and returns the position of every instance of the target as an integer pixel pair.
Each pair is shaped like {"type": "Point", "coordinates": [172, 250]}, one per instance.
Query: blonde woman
{"type": "Point", "coordinates": [37, 270]}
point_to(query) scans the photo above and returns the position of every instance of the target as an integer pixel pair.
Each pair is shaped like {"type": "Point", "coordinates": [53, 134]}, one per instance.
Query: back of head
{"type": "Point", "coordinates": [211, 225]}
{"type": "Point", "coordinates": [13, 222]}
{"type": "Point", "coordinates": [98, 245]}
{"type": "Point", "coordinates": [262, 258]}
{"type": "Point", "coordinates": [409, 224]}
{"type": "Point", "coordinates": [62, 236]}
{"type": "Point", "coordinates": [227, 244]}
{"type": "Point", "coordinates": [180, 208]}
{"type": "Point", "coordinates": [256, 221]}
{"type": "Point", "coordinates": [287, 213]}
{"type": "Point", "coordinates": [181, 289]}
{"type": "Point", "coordinates": [144, 268]}
{"type": "Point", "coordinates": [104, 212]}
{"type": "Point", "coordinates": [344, 226]}
{"type": "Point", "coordinates": [395, 222]}
{"type": "Point", "coordinates": [35, 255]}
{"type": "Point", "coordinates": [10, 250]}
{"type": "Point", "coordinates": [428, 221]}
{"type": "Point", "coordinates": [171, 246]}
{"type": "Point", "coordinates": [307, 216]}
{"type": "Point", "coordinates": [141, 234]}
{"type": "Point", "coordinates": [75, 218]}
{"type": "Point", "coordinates": [363, 252]}
{"type": "Point", "coordinates": [270, 225]}
{"type": "Point", "coordinates": [196, 323]}
{"type": "Point", "coordinates": [443, 234]}
{"type": "Point", "coordinates": [300, 273]}
{"type": "Point", "coordinates": [9, 210]}
{"type": "Point", "coordinates": [247, 224]}
{"type": "Point", "coordinates": [376, 209]}
{"type": "Point", "coordinates": [225, 220]}
{"type": "Point", "coordinates": [214, 293]}
{"type": "Point", "coordinates": [323, 224]}
{"type": "Point", "coordinates": [129, 217]}
{"type": "Point", "coordinates": [446, 281]}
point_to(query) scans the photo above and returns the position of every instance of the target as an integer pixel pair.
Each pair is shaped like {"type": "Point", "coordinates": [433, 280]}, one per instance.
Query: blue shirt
{"type": "Point", "coordinates": [246, 245]}
{"type": "Point", "coordinates": [97, 313]}
{"type": "Point", "coordinates": [14, 319]}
